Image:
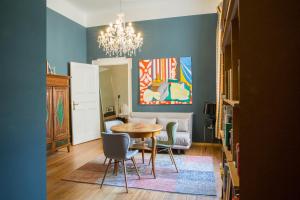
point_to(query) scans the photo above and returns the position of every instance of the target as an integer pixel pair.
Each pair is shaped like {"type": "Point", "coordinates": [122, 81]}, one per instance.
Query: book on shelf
{"type": "Point", "coordinates": [237, 149]}
{"type": "Point", "coordinates": [227, 125]}
{"type": "Point", "coordinates": [226, 176]}
{"type": "Point", "coordinates": [227, 135]}
{"type": "Point", "coordinates": [231, 140]}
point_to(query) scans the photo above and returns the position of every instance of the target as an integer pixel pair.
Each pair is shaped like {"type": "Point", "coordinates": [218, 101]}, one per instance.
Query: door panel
{"type": "Point", "coordinates": [61, 110]}
{"type": "Point", "coordinates": [85, 102]}
{"type": "Point", "coordinates": [49, 117]}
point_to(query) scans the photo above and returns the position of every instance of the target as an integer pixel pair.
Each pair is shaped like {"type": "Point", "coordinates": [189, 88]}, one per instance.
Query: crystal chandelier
{"type": "Point", "coordinates": [120, 38]}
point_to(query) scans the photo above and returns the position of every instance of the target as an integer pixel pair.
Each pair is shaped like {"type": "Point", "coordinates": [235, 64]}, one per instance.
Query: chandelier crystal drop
{"type": "Point", "coordinates": [120, 38]}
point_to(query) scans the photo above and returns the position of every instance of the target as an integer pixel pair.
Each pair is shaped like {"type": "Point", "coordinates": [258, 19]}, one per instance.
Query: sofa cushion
{"type": "Point", "coordinates": [183, 124]}
{"type": "Point", "coordinates": [181, 139]}
{"type": "Point", "coordinates": [142, 120]}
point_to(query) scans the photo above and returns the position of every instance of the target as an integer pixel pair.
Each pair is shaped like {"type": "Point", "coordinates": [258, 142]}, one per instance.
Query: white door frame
{"type": "Point", "coordinates": [111, 62]}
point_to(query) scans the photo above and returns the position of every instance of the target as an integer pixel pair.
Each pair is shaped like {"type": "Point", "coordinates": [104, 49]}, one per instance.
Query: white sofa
{"type": "Point", "coordinates": [183, 139]}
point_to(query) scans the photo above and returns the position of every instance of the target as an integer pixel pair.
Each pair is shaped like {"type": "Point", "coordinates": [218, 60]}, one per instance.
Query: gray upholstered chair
{"type": "Point", "coordinates": [108, 125]}
{"type": "Point", "coordinates": [116, 147]}
{"type": "Point", "coordinates": [167, 145]}
{"type": "Point", "coordinates": [134, 143]}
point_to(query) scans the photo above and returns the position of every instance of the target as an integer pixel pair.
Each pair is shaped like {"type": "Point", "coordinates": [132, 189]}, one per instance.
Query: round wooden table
{"type": "Point", "coordinates": [141, 130]}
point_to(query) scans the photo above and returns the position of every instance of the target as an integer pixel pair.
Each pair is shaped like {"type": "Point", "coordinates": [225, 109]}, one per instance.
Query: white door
{"type": "Point", "coordinates": [85, 102]}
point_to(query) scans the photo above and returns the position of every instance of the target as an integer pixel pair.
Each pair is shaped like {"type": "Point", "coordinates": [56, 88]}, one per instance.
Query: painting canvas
{"type": "Point", "coordinates": [165, 81]}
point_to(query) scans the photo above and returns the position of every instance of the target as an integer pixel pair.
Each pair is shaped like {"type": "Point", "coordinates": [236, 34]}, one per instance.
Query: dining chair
{"type": "Point", "coordinates": [108, 125]}
{"type": "Point", "coordinates": [116, 147]}
{"type": "Point", "coordinates": [168, 145]}
{"type": "Point", "coordinates": [135, 144]}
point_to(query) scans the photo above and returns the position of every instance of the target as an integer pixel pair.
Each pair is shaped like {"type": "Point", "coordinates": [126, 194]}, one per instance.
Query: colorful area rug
{"type": "Point", "coordinates": [196, 175]}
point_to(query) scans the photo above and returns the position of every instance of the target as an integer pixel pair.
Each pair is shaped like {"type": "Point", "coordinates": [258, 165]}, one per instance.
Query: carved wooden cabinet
{"type": "Point", "coordinates": [58, 117]}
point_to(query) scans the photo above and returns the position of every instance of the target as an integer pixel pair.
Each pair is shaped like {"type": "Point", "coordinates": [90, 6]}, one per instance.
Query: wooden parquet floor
{"type": "Point", "coordinates": [62, 163]}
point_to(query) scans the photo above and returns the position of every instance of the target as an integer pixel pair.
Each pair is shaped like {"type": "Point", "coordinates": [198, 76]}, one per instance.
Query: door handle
{"type": "Point", "coordinates": [74, 105]}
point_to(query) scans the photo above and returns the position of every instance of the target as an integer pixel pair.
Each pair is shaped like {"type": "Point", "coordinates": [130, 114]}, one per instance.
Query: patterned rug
{"type": "Point", "coordinates": [196, 175]}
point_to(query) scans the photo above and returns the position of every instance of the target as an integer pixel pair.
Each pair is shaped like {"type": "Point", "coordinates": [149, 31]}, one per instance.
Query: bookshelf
{"type": "Point", "coordinates": [231, 102]}
{"type": "Point", "coordinates": [228, 89]}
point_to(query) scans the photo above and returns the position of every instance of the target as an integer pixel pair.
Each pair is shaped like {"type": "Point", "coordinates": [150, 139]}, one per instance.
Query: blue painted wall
{"type": "Point", "coordinates": [193, 36]}
{"type": "Point", "coordinates": [22, 102]}
{"type": "Point", "coordinates": [66, 41]}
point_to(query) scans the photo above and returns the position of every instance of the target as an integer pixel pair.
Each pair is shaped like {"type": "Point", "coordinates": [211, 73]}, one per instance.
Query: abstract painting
{"type": "Point", "coordinates": [163, 82]}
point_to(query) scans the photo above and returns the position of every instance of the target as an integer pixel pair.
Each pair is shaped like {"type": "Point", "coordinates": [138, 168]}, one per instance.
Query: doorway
{"type": "Point", "coordinates": [115, 87]}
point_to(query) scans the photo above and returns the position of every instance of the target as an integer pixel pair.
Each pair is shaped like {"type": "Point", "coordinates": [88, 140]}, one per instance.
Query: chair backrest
{"type": "Point", "coordinates": [171, 131]}
{"type": "Point", "coordinates": [109, 124]}
{"type": "Point", "coordinates": [115, 145]}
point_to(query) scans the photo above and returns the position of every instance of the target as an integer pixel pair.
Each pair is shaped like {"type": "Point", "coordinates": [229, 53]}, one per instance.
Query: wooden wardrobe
{"type": "Point", "coordinates": [58, 117]}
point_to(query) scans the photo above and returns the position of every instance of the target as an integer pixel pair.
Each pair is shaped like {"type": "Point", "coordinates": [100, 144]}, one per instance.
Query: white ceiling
{"type": "Point", "coordinates": [100, 12]}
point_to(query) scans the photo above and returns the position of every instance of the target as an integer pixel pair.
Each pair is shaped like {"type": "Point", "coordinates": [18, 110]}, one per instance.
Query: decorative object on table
{"type": "Point", "coordinates": [196, 175]}
{"type": "Point", "coordinates": [110, 109]}
{"type": "Point", "coordinates": [120, 39]}
{"type": "Point", "coordinates": [210, 117]}
{"type": "Point", "coordinates": [124, 109]}
{"type": "Point", "coordinates": [162, 83]}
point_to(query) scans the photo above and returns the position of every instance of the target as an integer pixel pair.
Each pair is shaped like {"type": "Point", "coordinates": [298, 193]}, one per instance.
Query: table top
{"type": "Point", "coordinates": [136, 128]}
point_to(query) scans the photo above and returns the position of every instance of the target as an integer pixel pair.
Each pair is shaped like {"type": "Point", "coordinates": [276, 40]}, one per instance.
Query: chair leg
{"type": "Point", "coordinates": [150, 160]}
{"type": "Point", "coordinates": [136, 169]}
{"type": "Point", "coordinates": [124, 168]}
{"type": "Point", "coordinates": [116, 167]}
{"type": "Point", "coordinates": [105, 160]}
{"type": "Point", "coordinates": [143, 152]}
{"type": "Point", "coordinates": [170, 150]}
{"type": "Point", "coordinates": [109, 162]}
{"type": "Point", "coordinates": [170, 155]}
{"type": "Point", "coordinates": [143, 156]}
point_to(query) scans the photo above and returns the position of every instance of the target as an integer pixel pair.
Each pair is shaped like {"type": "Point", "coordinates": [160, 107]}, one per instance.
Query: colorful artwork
{"type": "Point", "coordinates": [163, 82]}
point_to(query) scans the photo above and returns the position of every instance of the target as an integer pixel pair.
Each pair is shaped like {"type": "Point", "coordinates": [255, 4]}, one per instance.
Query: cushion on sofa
{"type": "Point", "coordinates": [142, 120]}
{"type": "Point", "coordinates": [183, 124]}
{"type": "Point", "coordinates": [182, 138]}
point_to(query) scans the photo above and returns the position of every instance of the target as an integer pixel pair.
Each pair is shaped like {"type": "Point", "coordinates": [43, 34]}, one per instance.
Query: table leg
{"type": "Point", "coordinates": [153, 155]}
{"type": "Point", "coordinates": [143, 152]}
{"type": "Point", "coordinates": [116, 167]}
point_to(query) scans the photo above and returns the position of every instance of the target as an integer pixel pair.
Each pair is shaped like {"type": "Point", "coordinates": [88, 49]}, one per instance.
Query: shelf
{"type": "Point", "coordinates": [227, 153]}
{"type": "Point", "coordinates": [231, 102]}
{"type": "Point", "coordinates": [234, 176]}
{"type": "Point", "coordinates": [231, 13]}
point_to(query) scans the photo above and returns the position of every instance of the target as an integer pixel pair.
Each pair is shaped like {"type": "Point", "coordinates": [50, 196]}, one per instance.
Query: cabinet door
{"type": "Point", "coordinates": [49, 115]}
{"type": "Point", "coordinates": [61, 112]}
